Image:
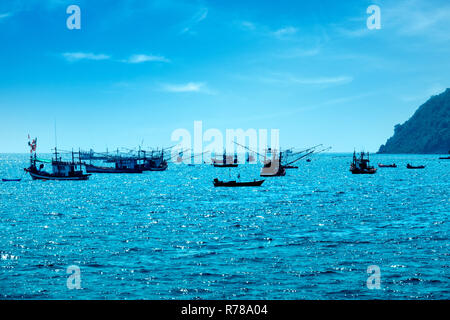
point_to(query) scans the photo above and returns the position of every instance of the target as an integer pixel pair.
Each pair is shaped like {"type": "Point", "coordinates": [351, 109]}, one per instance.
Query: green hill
{"type": "Point", "coordinates": [427, 131]}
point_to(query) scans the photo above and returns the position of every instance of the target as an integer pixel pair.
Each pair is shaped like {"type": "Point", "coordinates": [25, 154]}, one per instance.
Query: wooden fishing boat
{"type": "Point", "coordinates": [255, 183]}
{"type": "Point", "coordinates": [155, 162]}
{"type": "Point", "coordinates": [226, 162]}
{"type": "Point", "coordinates": [273, 167]}
{"type": "Point", "coordinates": [408, 166]}
{"type": "Point", "coordinates": [61, 170]}
{"type": "Point", "coordinates": [361, 165]}
{"type": "Point", "coordinates": [90, 168]}
{"type": "Point", "coordinates": [387, 165]}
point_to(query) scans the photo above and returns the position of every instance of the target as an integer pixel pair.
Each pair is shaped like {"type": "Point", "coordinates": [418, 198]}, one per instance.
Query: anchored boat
{"type": "Point", "coordinates": [361, 165]}
{"type": "Point", "coordinates": [273, 167]}
{"type": "Point", "coordinates": [226, 162]}
{"type": "Point", "coordinates": [61, 170]}
{"type": "Point", "coordinates": [255, 183]}
{"type": "Point", "coordinates": [408, 166]}
{"type": "Point", "coordinates": [387, 165]}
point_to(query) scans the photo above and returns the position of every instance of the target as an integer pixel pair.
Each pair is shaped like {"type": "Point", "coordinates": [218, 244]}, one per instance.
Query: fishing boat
{"type": "Point", "coordinates": [61, 170]}
{"type": "Point", "coordinates": [226, 162]}
{"type": "Point", "coordinates": [155, 162]}
{"type": "Point", "coordinates": [254, 183]}
{"type": "Point", "coordinates": [361, 165]}
{"type": "Point", "coordinates": [387, 165]}
{"type": "Point", "coordinates": [90, 168]}
{"type": "Point", "coordinates": [290, 167]}
{"type": "Point", "coordinates": [444, 158]}
{"type": "Point", "coordinates": [11, 180]}
{"type": "Point", "coordinates": [273, 167]}
{"type": "Point", "coordinates": [408, 166]}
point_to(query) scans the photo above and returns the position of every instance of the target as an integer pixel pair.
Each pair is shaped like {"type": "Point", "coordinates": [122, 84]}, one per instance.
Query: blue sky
{"type": "Point", "coordinates": [138, 70]}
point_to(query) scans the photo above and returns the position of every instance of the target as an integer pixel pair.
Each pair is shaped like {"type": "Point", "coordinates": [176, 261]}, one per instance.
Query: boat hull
{"type": "Point", "coordinates": [387, 165]}
{"type": "Point", "coordinates": [365, 171]}
{"type": "Point", "coordinates": [48, 176]}
{"type": "Point", "coordinates": [413, 167]}
{"type": "Point", "coordinates": [216, 165]}
{"type": "Point", "coordinates": [94, 169]}
{"type": "Point", "coordinates": [234, 184]}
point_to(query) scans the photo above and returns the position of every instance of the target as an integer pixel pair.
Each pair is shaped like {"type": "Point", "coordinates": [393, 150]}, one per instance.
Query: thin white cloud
{"type": "Point", "coordinates": [247, 25]}
{"type": "Point", "coordinates": [5, 15]}
{"type": "Point", "coordinates": [298, 53]}
{"type": "Point", "coordinates": [140, 58]}
{"type": "Point", "coordinates": [77, 56]}
{"type": "Point", "coordinates": [186, 87]}
{"type": "Point", "coordinates": [289, 79]}
{"type": "Point", "coordinates": [197, 18]}
{"type": "Point", "coordinates": [287, 31]}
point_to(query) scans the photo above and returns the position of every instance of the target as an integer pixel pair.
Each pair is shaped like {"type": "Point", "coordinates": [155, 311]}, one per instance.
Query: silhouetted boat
{"type": "Point", "coordinates": [90, 168]}
{"type": "Point", "coordinates": [444, 158]}
{"type": "Point", "coordinates": [361, 165]}
{"type": "Point", "coordinates": [11, 180]}
{"type": "Point", "coordinates": [414, 167]}
{"type": "Point", "coordinates": [290, 167]}
{"type": "Point", "coordinates": [226, 162]}
{"type": "Point", "coordinates": [387, 165]}
{"type": "Point", "coordinates": [154, 162]}
{"type": "Point", "coordinates": [273, 167]}
{"type": "Point", "coordinates": [61, 170]}
{"type": "Point", "coordinates": [255, 183]}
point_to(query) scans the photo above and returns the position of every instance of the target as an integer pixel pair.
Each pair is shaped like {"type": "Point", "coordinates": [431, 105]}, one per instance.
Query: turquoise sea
{"type": "Point", "coordinates": [171, 235]}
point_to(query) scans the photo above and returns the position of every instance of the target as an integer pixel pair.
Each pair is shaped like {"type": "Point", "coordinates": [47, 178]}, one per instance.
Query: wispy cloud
{"type": "Point", "coordinates": [286, 31]}
{"type": "Point", "coordinates": [140, 58]}
{"type": "Point", "coordinates": [247, 25]}
{"type": "Point", "coordinates": [5, 15]}
{"type": "Point", "coordinates": [298, 53]}
{"type": "Point", "coordinates": [425, 94]}
{"type": "Point", "coordinates": [197, 18]}
{"type": "Point", "coordinates": [290, 79]}
{"type": "Point", "coordinates": [419, 18]}
{"type": "Point", "coordinates": [77, 56]}
{"type": "Point", "coordinates": [199, 87]}
{"type": "Point", "coordinates": [281, 33]}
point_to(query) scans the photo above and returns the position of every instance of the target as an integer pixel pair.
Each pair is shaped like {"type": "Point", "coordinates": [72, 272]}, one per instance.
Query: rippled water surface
{"type": "Point", "coordinates": [172, 235]}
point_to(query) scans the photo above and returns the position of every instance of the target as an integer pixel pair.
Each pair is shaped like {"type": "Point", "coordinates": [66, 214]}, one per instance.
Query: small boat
{"type": "Point", "coordinates": [308, 160]}
{"type": "Point", "coordinates": [361, 165]}
{"type": "Point", "coordinates": [290, 167]}
{"type": "Point", "coordinates": [387, 165]}
{"type": "Point", "coordinates": [11, 180]}
{"type": "Point", "coordinates": [254, 183]}
{"type": "Point", "coordinates": [444, 158]}
{"type": "Point", "coordinates": [414, 167]}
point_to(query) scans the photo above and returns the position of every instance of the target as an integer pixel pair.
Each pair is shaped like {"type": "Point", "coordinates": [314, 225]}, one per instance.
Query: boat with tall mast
{"type": "Point", "coordinates": [274, 166]}
{"type": "Point", "coordinates": [361, 165]}
{"type": "Point", "coordinates": [226, 161]}
{"type": "Point", "coordinates": [61, 170]}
